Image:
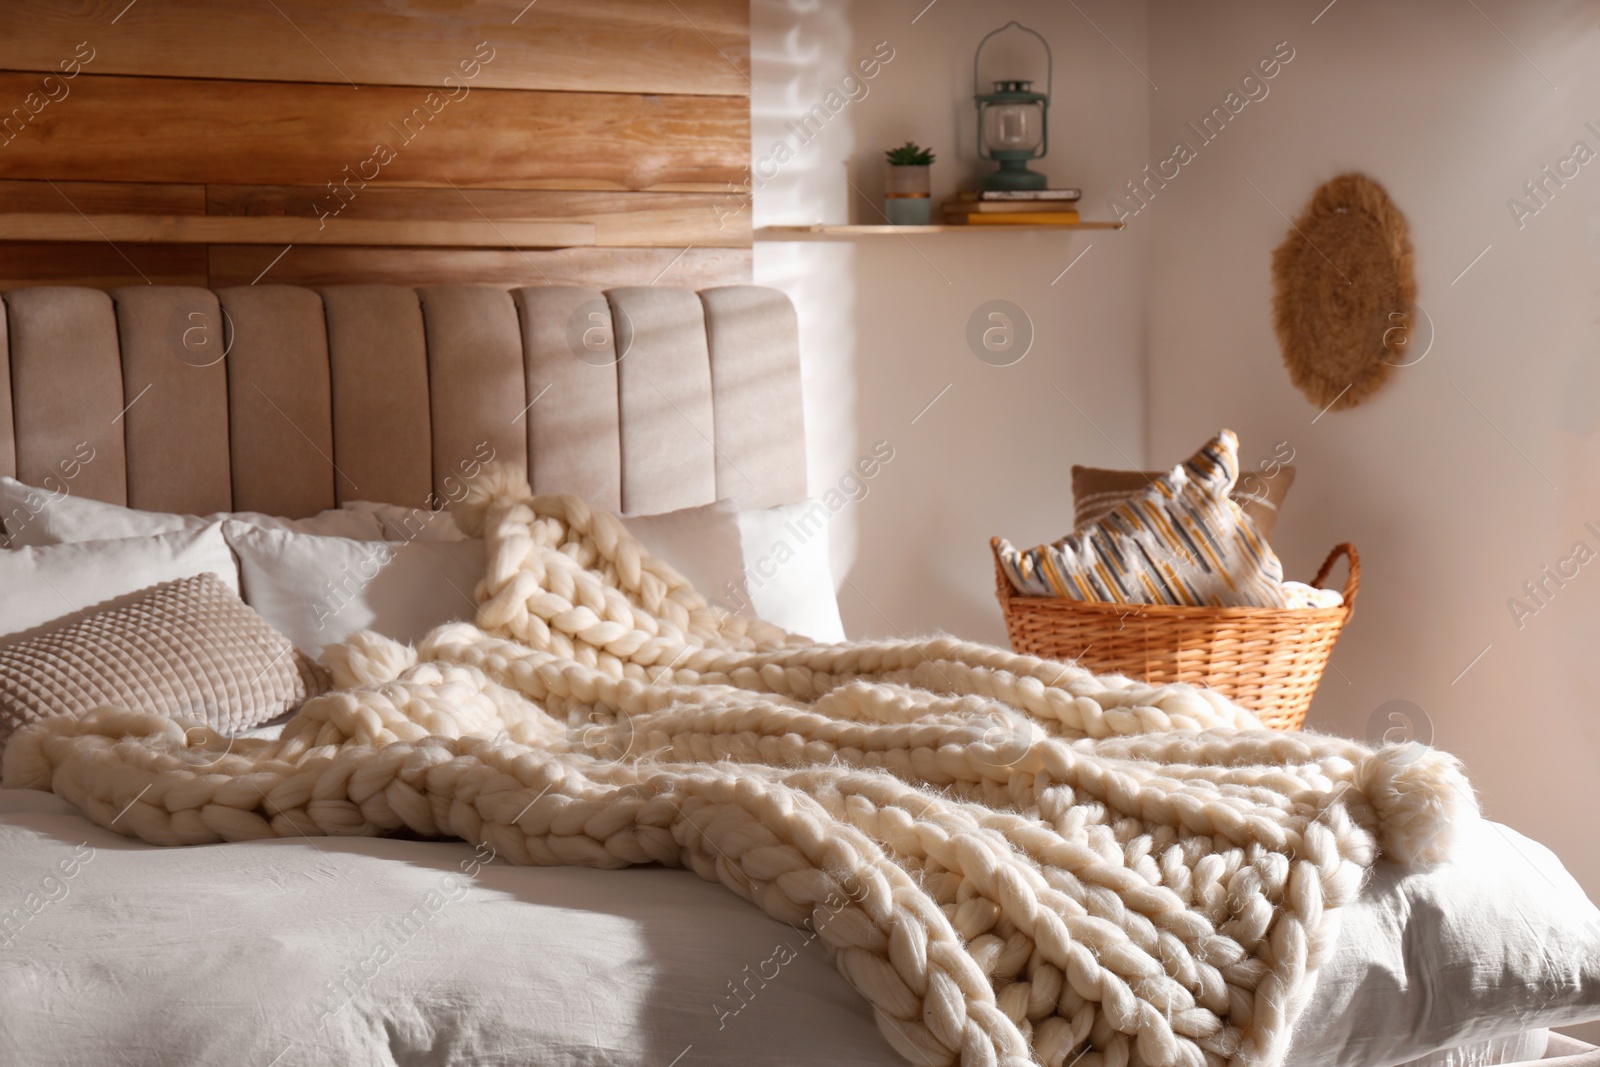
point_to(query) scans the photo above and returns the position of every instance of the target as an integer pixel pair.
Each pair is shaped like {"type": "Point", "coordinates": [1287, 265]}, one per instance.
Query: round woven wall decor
{"type": "Point", "coordinates": [1343, 293]}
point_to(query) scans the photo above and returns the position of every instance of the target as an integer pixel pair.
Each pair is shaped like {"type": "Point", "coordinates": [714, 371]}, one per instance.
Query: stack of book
{"type": "Point", "coordinates": [1013, 207]}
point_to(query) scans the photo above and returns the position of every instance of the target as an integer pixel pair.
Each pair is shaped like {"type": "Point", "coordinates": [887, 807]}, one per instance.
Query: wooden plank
{"type": "Point", "coordinates": [117, 198]}
{"type": "Point", "coordinates": [827, 231]}
{"type": "Point", "coordinates": [630, 220]}
{"type": "Point", "coordinates": [687, 46]}
{"type": "Point", "coordinates": [177, 130]}
{"type": "Point", "coordinates": [99, 266]}
{"type": "Point", "coordinates": [602, 268]}
{"type": "Point", "coordinates": [270, 230]}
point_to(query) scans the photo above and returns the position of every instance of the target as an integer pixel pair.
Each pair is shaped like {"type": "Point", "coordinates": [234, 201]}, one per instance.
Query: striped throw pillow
{"type": "Point", "coordinates": [1095, 491]}
{"type": "Point", "coordinates": [1180, 541]}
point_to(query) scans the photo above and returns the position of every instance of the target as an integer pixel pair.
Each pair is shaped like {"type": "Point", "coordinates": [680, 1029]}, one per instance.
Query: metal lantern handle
{"type": "Point", "coordinates": [1049, 57]}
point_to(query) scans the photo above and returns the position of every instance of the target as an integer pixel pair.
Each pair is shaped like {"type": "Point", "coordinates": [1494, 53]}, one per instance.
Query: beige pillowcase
{"type": "Point", "coordinates": [189, 649]}
{"type": "Point", "coordinates": [1096, 491]}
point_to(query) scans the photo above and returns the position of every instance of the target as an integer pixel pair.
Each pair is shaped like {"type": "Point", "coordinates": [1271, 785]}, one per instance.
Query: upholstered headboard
{"type": "Point", "coordinates": [287, 400]}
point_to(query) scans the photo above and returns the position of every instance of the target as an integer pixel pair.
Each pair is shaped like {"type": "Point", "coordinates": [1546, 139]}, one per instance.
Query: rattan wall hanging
{"type": "Point", "coordinates": [1343, 292]}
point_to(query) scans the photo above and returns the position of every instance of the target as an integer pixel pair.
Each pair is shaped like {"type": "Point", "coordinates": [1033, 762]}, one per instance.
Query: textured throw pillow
{"type": "Point", "coordinates": [53, 585]}
{"type": "Point", "coordinates": [1095, 491]}
{"type": "Point", "coordinates": [190, 649]}
{"type": "Point", "coordinates": [319, 590]}
{"type": "Point", "coordinates": [1181, 541]}
{"type": "Point", "coordinates": [40, 517]}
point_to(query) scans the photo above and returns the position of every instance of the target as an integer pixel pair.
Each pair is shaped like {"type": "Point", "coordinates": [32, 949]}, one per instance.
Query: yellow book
{"type": "Point", "coordinates": [1005, 207]}
{"type": "Point", "coordinates": [1016, 218]}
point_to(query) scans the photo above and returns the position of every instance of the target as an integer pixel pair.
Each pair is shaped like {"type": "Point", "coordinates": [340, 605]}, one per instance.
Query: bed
{"type": "Point", "coordinates": [291, 402]}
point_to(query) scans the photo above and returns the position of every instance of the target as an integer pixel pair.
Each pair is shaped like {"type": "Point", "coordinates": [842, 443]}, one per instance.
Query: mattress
{"type": "Point", "coordinates": [383, 951]}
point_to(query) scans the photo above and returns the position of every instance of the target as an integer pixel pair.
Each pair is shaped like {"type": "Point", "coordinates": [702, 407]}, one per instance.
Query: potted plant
{"type": "Point", "coordinates": [907, 199]}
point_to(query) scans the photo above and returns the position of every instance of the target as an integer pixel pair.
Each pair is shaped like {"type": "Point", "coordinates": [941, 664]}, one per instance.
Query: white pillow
{"type": "Point", "coordinates": [51, 585]}
{"type": "Point", "coordinates": [771, 563]}
{"type": "Point", "coordinates": [787, 571]}
{"type": "Point", "coordinates": [1497, 942]}
{"type": "Point", "coordinates": [401, 523]}
{"type": "Point", "coordinates": [41, 517]}
{"type": "Point", "coordinates": [316, 591]}
{"type": "Point", "coordinates": [785, 577]}
{"type": "Point", "coordinates": [704, 545]}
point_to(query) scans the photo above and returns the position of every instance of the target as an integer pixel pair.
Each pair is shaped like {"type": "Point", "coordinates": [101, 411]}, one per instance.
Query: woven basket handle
{"type": "Point", "coordinates": [1352, 584]}
{"type": "Point", "coordinates": [1002, 584]}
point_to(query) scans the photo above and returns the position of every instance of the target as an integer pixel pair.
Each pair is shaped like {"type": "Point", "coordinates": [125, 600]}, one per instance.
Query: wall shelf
{"type": "Point", "coordinates": [832, 231]}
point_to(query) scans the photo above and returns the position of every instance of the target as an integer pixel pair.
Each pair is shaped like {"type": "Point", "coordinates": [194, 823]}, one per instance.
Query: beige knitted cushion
{"type": "Point", "coordinates": [190, 649]}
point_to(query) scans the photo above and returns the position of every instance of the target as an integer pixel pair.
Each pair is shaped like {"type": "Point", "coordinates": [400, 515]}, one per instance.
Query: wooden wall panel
{"type": "Point", "coordinates": [176, 130]}
{"type": "Point", "coordinates": [103, 198]}
{"type": "Point", "coordinates": [670, 220]}
{"type": "Point", "coordinates": [284, 229]}
{"type": "Point", "coordinates": [601, 268]}
{"type": "Point", "coordinates": [631, 116]}
{"type": "Point", "coordinates": [631, 46]}
{"type": "Point", "coordinates": [99, 266]}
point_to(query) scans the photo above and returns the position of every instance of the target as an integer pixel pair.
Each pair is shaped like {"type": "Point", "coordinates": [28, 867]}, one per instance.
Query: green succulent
{"type": "Point", "coordinates": [909, 155]}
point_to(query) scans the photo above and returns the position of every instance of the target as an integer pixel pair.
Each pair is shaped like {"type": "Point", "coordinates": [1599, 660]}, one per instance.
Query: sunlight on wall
{"type": "Point", "coordinates": [884, 319]}
{"type": "Point", "coordinates": [796, 47]}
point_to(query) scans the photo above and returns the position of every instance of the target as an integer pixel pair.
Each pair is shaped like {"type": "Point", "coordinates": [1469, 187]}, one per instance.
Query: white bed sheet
{"type": "Point", "coordinates": [234, 954]}
{"type": "Point", "coordinates": [379, 951]}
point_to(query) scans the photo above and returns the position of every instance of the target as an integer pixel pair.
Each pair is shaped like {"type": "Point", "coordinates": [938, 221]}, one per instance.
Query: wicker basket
{"type": "Point", "coordinates": [1267, 659]}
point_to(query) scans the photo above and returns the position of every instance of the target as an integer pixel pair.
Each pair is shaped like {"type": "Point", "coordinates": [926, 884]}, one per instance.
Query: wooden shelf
{"type": "Point", "coordinates": [286, 229]}
{"type": "Point", "coordinates": [831, 231]}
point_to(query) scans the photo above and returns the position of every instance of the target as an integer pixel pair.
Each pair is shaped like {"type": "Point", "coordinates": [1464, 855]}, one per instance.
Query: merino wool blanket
{"type": "Point", "coordinates": [1013, 860]}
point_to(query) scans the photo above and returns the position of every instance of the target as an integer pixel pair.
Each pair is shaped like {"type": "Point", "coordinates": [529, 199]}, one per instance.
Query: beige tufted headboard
{"type": "Point", "coordinates": [286, 400]}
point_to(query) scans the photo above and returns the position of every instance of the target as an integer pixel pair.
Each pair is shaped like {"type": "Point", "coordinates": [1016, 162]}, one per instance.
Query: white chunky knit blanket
{"type": "Point", "coordinates": [1013, 860]}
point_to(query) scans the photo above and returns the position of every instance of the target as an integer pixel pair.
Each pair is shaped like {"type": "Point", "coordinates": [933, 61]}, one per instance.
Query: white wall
{"type": "Point", "coordinates": [1471, 470]}
{"type": "Point", "coordinates": [883, 319]}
